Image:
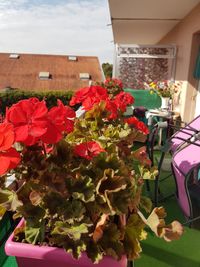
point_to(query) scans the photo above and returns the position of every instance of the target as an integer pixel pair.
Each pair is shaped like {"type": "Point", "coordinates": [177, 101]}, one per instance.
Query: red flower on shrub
{"type": "Point", "coordinates": [112, 109]}
{"type": "Point", "coordinates": [113, 82]}
{"type": "Point", "coordinates": [9, 157]}
{"type": "Point", "coordinates": [60, 119]}
{"type": "Point", "coordinates": [89, 96]}
{"type": "Point", "coordinates": [88, 150]}
{"type": "Point", "coordinates": [122, 100]}
{"type": "Point", "coordinates": [29, 118]}
{"type": "Point", "coordinates": [80, 96]}
{"type": "Point", "coordinates": [142, 127]}
{"type": "Point", "coordinates": [139, 125]}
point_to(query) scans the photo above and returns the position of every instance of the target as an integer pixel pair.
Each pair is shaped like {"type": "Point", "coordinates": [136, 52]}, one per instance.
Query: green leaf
{"type": "Point", "coordinates": [31, 213]}
{"type": "Point", "coordinates": [9, 200]}
{"type": "Point", "coordinates": [82, 188]}
{"type": "Point", "coordinates": [110, 242]}
{"type": "Point", "coordinates": [71, 246]}
{"type": "Point", "coordinates": [134, 232]}
{"type": "Point", "coordinates": [108, 186]}
{"type": "Point", "coordinates": [148, 174]}
{"type": "Point", "coordinates": [53, 201]}
{"type": "Point", "coordinates": [34, 233]}
{"type": "Point", "coordinates": [146, 203]}
{"type": "Point", "coordinates": [2, 211]}
{"type": "Point", "coordinates": [94, 252]}
{"type": "Point", "coordinates": [72, 231]}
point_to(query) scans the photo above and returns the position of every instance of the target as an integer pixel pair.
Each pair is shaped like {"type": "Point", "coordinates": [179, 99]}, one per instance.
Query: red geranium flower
{"type": "Point", "coordinates": [122, 100]}
{"type": "Point", "coordinates": [29, 118]}
{"type": "Point", "coordinates": [142, 127]}
{"type": "Point", "coordinates": [112, 109]}
{"type": "Point", "coordinates": [89, 96]}
{"type": "Point", "coordinates": [9, 157]}
{"type": "Point", "coordinates": [113, 82]}
{"type": "Point", "coordinates": [88, 150]}
{"type": "Point", "coordinates": [139, 125]}
{"type": "Point", "coordinates": [80, 96]}
{"type": "Point", "coordinates": [132, 121]}
{"type": "Point", "coordinates": [60, 119]}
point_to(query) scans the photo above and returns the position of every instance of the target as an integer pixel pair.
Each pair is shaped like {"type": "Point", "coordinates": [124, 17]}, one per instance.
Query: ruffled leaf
{"type": "Point", "coordinates": [157, 224]}
{"type": "Point", "coordinates": [111, 243]}
{"type": "Point", "coordinates": [72, 231]}
{"type": "Point", "coordinates": [134, 232]}
{"type": "Point", "coordinates": [98, 232]}
{"type": "Point", "coordinates": [94, 252]}
{"type": "Point", "coordinates": [34, 233]}
{"type": "Point", "coordinates": [9, 200]}
{"type": "Point", "coordinates": [108, 186]}
{"type": "Point", "coordinates": [82, 188]}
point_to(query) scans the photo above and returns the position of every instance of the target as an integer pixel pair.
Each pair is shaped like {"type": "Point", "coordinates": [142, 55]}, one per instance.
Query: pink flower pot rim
{"type": "Point", "coordinates": [51, 254]}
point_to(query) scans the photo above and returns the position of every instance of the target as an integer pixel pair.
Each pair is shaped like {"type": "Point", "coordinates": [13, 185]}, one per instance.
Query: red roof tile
{"type": "Point", "coordinates": [23, 72]}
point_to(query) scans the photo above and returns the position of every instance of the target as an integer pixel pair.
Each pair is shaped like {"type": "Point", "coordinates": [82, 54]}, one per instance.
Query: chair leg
{"type": "Point", "coordinates": [147, 186]}
{"type": "Point", "coordinates": [130, 264]}
{"type": "Point", "coordinates": [156, 188]}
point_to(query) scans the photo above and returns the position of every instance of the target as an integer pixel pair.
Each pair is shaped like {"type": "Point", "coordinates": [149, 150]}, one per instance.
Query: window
{"type": "Point", "coordinates": [14, 56]}
{"type": "Point", "coordinates": [84, 76]}
{"type": "Point", "coordinates": [72, 58]}
{"type": "Point", "coordinates": [44, 75]}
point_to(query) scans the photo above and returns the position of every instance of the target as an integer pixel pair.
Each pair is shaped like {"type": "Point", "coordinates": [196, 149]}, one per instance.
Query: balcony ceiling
{"type": "Point", "coordinates": [146, 21]}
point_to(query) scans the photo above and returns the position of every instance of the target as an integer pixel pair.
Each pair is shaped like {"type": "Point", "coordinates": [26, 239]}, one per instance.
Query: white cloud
{"type": "Point", "coordinates": [63, 27]}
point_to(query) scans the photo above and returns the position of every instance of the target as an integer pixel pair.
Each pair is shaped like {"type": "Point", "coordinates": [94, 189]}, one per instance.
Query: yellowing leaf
{"type": "Point", "coordinates": [72, 231]}
{"type": "Point", "coordinates": [173, 231]}
{"type": "Point", "coordinates": [35, 198]}
{"type": "Point", "coordinates": [134, 232]}
{"type": "Point", "coordinates": [9, 200]}
{"type": "Point", "coordinates": [98, 232]}
{"type": "Point", "coordinates": [2, 211]}
{"type": "Point", "coordinates": [157, 224]}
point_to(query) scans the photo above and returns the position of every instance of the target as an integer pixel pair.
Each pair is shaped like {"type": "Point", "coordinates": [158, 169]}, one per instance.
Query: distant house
{"type": "Point", "coordinates": [48, 72]}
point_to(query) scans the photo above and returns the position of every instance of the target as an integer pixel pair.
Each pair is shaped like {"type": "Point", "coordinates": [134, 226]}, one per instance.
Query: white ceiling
{"type": "Point", "coordinates": [146, 21]}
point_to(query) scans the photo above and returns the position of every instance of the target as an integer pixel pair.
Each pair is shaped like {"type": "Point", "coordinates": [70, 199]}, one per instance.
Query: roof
{"type": "Point", "coordinates": [23, 72]}
{"type": "Point", "coordinates": [145, 21]}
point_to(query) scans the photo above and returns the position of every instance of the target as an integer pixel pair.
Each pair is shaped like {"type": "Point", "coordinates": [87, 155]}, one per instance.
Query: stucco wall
{"type": "Point", "coordinates": [187, 43]}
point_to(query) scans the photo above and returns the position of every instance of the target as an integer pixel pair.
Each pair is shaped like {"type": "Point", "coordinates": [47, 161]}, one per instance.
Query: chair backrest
{"type": "Point", "coordinates": [185, 161]}
{"type": "Point", "coordinates": [185, 134]}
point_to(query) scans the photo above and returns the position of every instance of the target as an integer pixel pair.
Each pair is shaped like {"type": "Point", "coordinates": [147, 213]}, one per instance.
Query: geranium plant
{"type": "Point", "coordinates": [113, 85]}
{"type": "Point", "coordinates": [80, 179]}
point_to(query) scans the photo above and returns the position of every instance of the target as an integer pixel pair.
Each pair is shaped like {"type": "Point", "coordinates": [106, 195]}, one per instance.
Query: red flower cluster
{"type": "Point", "coordinates": [32, 121]}
{"type": "Point", "coordinates": [113, 82]}
{"type": "Point", "coordinates": [122, 100]}
{"type": "Point", "coordinates": [89, 96]}
{"type": "Point", "coordinates": [9, 157]}
{"type": "Point", "coordinates": [94, 94]}
{"type": "Point", "coordinates": [139, 125]}
{"type": "Point", "coordinates": [88, 150]}
{"type": "Point", "coordinates": [59, 119]}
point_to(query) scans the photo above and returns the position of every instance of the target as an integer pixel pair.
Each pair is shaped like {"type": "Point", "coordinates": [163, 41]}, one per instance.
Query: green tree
{"type": "Point", "coordinates": [107, 69]}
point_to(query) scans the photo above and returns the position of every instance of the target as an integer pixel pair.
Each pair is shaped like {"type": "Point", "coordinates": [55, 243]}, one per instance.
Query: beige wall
{"type": "Point", "coordinates": [183, 35]}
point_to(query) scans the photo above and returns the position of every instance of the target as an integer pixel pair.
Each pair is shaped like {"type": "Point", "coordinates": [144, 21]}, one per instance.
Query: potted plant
{"type": "Point", "coordinates": [79, 182]}
{"type": "Point", "coordinates": [165, 89]}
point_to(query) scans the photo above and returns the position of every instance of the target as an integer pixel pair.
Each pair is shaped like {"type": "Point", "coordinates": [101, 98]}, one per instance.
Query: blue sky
{"type": "Point", "coordinates": [71, 27]}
